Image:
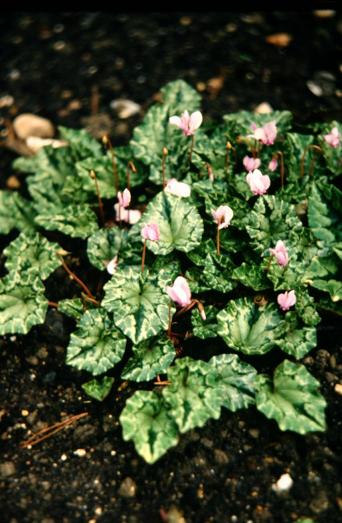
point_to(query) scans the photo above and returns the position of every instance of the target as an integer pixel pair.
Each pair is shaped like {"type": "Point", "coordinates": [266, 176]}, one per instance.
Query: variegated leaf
{"type": "Point", "coordinates": [145, 420]}
{"type": "Point", "coordinates": [292, 399]}
{"type": "Point", "coordinates": [34, 252]}
{"type": "Point", "coordinates": [139, 303]}
{"type": "Point", "coordinates": [78, 221]}
{"type": "Point", "coordinates": [96, 345]}
{"type": "Point", "coordinates": [179, 222]}
{"type": "Point", "coordinates": [22, 302]}
{"type": "Point", "coordinates": [150, 358]}
{"type": "Point", "coordinates": [250, 328]}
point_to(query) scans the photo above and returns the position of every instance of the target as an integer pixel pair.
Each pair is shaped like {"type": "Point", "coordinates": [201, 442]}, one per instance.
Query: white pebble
{"type": "Point", "coordinates": [283, 484]}
{"type": "Point", "coordinates": [80, 453]}
{"type": "Point", "coordinates": [64, 457]}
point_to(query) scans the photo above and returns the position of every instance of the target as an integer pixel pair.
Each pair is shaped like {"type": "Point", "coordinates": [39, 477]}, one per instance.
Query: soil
{"type": "Point", "coordinates": [223, 472]}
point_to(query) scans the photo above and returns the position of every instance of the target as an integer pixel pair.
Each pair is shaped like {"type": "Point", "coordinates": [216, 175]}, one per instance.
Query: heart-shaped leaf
{"type": "Point", "coordinates": [146, 421]}
{"type": "Point", "coordinates": [22, 302]}
{"type": "Point", "coordinates": [139, 302]}
{"type": "Point", "coordinates": [292, 399]}
{"type": "Point", "coordinates": [150, 358]}
{"type": "Point", "coordinates": [250, 328]}
{"type": "Point", "coordinates": [78, 221]}
{"type": "Point", "coordinates": [34, 252]}
{"type": "Point", "coordinates": [179, 222]}
{"type": "Point", "coordinates": [96, 346]}
{"type": "Point", "coordinates": [98, 388]}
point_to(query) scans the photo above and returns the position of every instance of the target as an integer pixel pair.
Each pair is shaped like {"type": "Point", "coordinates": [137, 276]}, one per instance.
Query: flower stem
{"type": "Point", "coordinates": [130, 168]}
{"type": "Point", "coordinates": [165, 153]}
{"type": "Point", "coordinates": [108, 143]}
{"type": "Point", "coordinates": [143, 257]}
{"type": "Point", "coordinates": [77, 279]}
{"type": "Point", "coordinates": [93, 176]}
{"type": "Point", "coordinates": [169, 328]}
{"type": "Point", "coordinates": [282, 170]}
{"type": "Point", "coordinates": [191, 147]}
{"type": "Point", "coordinates": [218, 246]}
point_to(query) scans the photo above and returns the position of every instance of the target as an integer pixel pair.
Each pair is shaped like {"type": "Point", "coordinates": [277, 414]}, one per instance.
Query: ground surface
{"type": "Point", "coordinates": [224, 472]}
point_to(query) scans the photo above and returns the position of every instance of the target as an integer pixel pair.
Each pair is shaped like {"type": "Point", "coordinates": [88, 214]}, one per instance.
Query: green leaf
{"type": "Point", "coordinates": [249, 328]}
{"type": "Point", "coordinates": [179, 96]}
{"type": "Point", "coordinates": [96, 346]}
{"type": "Point", "coordinates": [78, 221]}
{"type": "Point", "coordinates": [204, 328]}
{"type": "Point", "coordinates": [34, 252]}
{"type": "Point", "coordinates": [232, 381]}
{"type": "Point", "coordinates": [179, 222]}
{"type": "Point", "coordinates": [103, 168]}
{"type": "Point", "coordinates": [99, 388]}
{"type": "Point", "coordinates": [139, 302]}
{"type": "Point", "coordinates": [81, 143]}
{"type": "Point", "coordinates": [297, 340]}
{"type": "Point", "coordinates": [107, 243]}
{"type": "Point", "coordinates": [292, 399]}
{"type": "Point", "coordinates": [295, 146]}
{"type": "Point", "coordinates": [324, 219]}
{"type": "Point", "coordinates": [15, 212]}
{"type": "Point", "coordinates": [251, 275]}
{"type": "Point", "coordinates": [240, 122]}
{"type": "Point", "coordinates": [146, 421]}
{"type": "Point", "coordinates": [73, 307]}
{"type": "Point", "coordinates": [333, 287]}
{"type": "Point", "coordinates": [150, 358]}
{"type": "Point", "coordinates": [271, 219]}
{"type": "Point", "coordinates": [22, 303]}
{"type": "Point", "coordinates": [190, 400]}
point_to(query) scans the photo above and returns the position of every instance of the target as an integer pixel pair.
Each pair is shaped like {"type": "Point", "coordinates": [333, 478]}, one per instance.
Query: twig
{"type": "Point", "coordinates": [47, 432]}
{"type": "Point", "coordinates": [78, 280]}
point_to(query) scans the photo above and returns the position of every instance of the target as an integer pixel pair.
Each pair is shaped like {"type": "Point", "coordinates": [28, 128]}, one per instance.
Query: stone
{"type": "Point", "coordinates": [7, 469]}
{"type": "Point", "coordinates": [34, 143]}
{"type": "Point", "coordinates": [128, 488]}
{"type": "Point", "coordinates": [28, 124]}
{"type": "Point", "coordinates": [125, 108]}
{"type": "Point", "coordinates": [263, 108]}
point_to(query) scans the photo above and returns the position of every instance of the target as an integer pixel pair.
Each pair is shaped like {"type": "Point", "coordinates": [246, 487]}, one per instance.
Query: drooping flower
{"type": "Point", "coordinates": [265, 134]}
{"type": "Point", "coordinates": [258, 182]}
{"type": "Point", "coordinates": [112, 265]}
{"type": "Point", "coordinates": [281, 254]}
{"type": "Point", "coordinates": [124, 198]}
{"type": "Point", "coordinates": [251, 163]}
{"type": "Point", "coordinates": [150, 232]}
{"type": "Point", "coordinates": [273, 164]}
{"type": "Point", "coordinates": [177, 188]}
{"type": "Point", "coordinates": [131, 216]}
{"type": "Point", "coordinates": [180, 291]}
{"type": "Point", "coordinates": [286, 300]}
{"type": "Point", "coordinates": [333, 138]}
{"type": "Point", "coordinates": [187, 123]}
{"type": "Point", "coordinates": [223, 216]}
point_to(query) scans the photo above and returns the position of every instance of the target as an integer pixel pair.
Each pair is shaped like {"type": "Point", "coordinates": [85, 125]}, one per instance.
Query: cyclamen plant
{"type": "Point", "coordinates": [252, 284]}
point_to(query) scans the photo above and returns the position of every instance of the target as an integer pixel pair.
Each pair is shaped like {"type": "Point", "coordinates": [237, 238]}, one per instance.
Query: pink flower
{"type": "Point", "coordinates": [281, 254]}
{"type": "Point", "coordinates": [223, 216]}
{"type": "Point", "coordinates": [273, 164]}
{"type": "Point", "coordinates": [124, 198]}
{"type": "Point", "coordinates": [150, 232]}
{"type": "Point", "coordinates": [266, 134]}
{"type": "Point", "coordinates": [333, 138]}
{"type": "Point", "coordinates": [112, 265]}
{"type": "Point", "coordinates": [180, 292]}
{"type": "Point", "coordinates": [177, 188]}
{"type": "Point", "coordinates": [286, 300]}
{"type": "Point", "coordinates": [251, 163]}
{"type": "Point", "coordinates": [131, 216]}
{"type": "Point", "coordinates": [258, 182]}
{"type": "Point", "coordinates": [187, 123]}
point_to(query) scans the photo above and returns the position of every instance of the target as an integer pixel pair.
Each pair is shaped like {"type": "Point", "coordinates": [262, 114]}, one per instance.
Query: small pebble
{"type": "Point", "coordinates": [25, 412]}
{"type": "Point", "coordinates": [125, 108]}
{"type": "Point", "coordinates": [7, 469]}
{"type": "Point", "coordinates": [128, 488]}
{"type": "Point", "coordinates": [283, 484]}
{"type": "Point", "coordinates": [338, 388]}
{"type": "Point", "coordinates": [28, 124]}
{"type": "Point", "coordinates": [80, 453]}
{"type": "Point", "coordinates": [64, 457]}
{"type": "Point", "coordinates": [263, 108]}
{"type": "Point", "coordinates": [34, 143]}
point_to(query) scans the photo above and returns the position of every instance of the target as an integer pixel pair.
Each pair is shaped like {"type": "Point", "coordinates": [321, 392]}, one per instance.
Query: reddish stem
{"type": "Point", "coordinates": [143, 257]}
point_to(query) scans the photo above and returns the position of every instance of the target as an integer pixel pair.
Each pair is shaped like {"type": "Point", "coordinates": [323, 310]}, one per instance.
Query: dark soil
{"type": "Point", "coordinates": [223, 472]}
